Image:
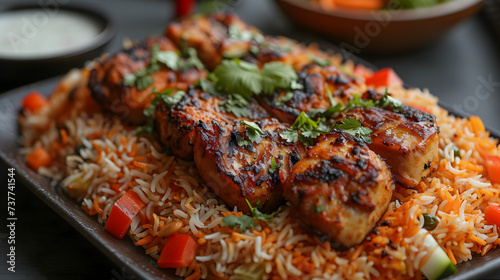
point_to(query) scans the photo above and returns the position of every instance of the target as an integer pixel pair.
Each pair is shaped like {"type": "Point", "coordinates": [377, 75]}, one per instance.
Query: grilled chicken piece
{"type": "Point", "coordinates": [128, 102]}
{"type": "Point", "coordinates": [238, 173]}
{"type": "Point", "coordinates": [175, 126]}
{"type": "Point", "coordinates": [316, 81]}
{"type": "Point", "coordinates": [408, 142]}
{"type": "Point", "coordinates": [210, 37]}
{"type": "Point", "coordinates": [340, 188]}
{"type": "Point", "coordinates": [225, 36]}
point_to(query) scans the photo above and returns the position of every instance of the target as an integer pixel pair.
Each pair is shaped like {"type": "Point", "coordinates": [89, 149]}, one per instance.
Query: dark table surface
{"type": "Point", "coordinates": [454, 68]}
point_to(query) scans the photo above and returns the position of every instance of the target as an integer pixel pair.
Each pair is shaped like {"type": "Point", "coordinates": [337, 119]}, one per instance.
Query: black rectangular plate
{"type": "Point", "coordinates": [123, 252]}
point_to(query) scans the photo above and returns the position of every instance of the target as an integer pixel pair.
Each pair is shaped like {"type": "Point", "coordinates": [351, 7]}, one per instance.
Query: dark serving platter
{"type": "Point", "coordinates": [123, 252]}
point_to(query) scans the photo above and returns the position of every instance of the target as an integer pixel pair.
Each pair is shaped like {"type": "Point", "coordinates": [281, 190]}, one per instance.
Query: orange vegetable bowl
{"type": "Point", "coordinates": [361, 29]}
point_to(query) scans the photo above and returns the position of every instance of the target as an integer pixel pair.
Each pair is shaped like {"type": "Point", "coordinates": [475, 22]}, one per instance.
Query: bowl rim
{"type": "Point", "coordinates": [101, 39]}
{"type": "Point", "coordinates": [436, 11]}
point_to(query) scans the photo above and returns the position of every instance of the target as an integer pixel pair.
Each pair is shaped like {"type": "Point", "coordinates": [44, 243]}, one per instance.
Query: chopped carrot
{"type": "Point", "coordinates": [34, 101]}
{"type": "Point", "coordinates": [493, 168]}
{"type": "Point", "coordinates": [64, 137]}
{"type": "Point", "coordinates": [39, 157]}
{"type": "Point", "coordinates": [179, 251]}
{"type": "Point", "coordinates": [115, 186]}
{"type": "Point", "coordinates": [360, 4]}
{"type": "Point", "coordinates": [476, 125]}
{"type": "Point", "coordinates": [145, 240]}
{"type": "Point", "coordinates": [97, 207]}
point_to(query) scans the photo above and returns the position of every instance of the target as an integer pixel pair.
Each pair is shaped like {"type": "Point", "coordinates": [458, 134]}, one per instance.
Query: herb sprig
{"type": "Point", "coordinates": [253, 133]}
{"type": "Point", "coordinates": [142, 78]}
{"type": "Point", "coordinates": [245, 221]}
{"type": "Point", "coordinates": [237, 77]}
{"type": "Point", "coordinates": [168, 98]}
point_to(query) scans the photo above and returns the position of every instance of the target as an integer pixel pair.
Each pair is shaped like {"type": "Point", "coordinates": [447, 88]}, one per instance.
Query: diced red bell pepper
{"type": "Point", "coordinates": [123, 212]}
{"type": "Point", "coordinates": [492, 215]}
{"type": "Point", "coordinates": [384, 78]}
{"type": "Point", "coordinates": [493, 168]}
{"type": "Point", "coordinates": [179, 251]}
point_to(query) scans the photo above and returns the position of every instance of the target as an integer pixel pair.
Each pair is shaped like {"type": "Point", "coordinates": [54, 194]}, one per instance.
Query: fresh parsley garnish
{"type": "Point", "coordinates": [304, 129]}
{"type": "Point", "coordinates": [237, 77]}
{"type": "Point", "coordinates": [274, 166]}
{"type": "Point", "coordinates": [354, 127]}
{"type": "Point", "coordinates": [321, 62]}
{"type": "Point", "coordinates": [165, 96]}
{"type": "Point", "coordinates": [253, 131]}
{"type": "Point", "coordinates": [235, 104]}
{"type": "Point", "coordinates": [245, 221]}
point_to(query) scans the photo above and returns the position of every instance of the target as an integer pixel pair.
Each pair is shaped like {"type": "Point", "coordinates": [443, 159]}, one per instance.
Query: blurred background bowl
{"type": "Point", "coordinates": [19, 69]}
{"type": "Point", "coordinates": [382, 31]}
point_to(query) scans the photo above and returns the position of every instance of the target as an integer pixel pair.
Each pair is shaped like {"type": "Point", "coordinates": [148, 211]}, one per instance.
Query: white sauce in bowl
{"type": "Point", "coordinates": [37, 33]}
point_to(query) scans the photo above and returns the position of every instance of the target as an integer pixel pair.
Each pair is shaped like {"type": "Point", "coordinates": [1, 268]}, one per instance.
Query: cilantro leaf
{"type": "Point", "coordinates": [238, 77]}
{"type": "Point", "coordinates": [243, 222]}
{"type": "Point", "coordinates": [164, 96]}
{"type": "Point", "coordinates": [253, 131]}
{"type": "Point", "coordinates": [319, 208]}
{"type": "Point", "coordinates": [290, 135]}
{"type": "Point", "coordinates": [169, 58]}
{"type": "Point", "coordinates": [172, 99]}
{"type": "Point", "coordinates": [285, 98]}
{"type": "Point", "coordinates": [321, 62]}
{"type": "Point", "coordinates": [303, 129]}
{"type": "Point", "coordinates": [276, 75]}
{"type": "Point", "coordinates": [190, 60]}
{"type": "Point", "coordinates": [235, 104]}
{"type": "Point", "coordinates": [208, 86]}
{"type": "Point", "coordinates": [354, 127]}
{"type": "Point", "coordinates": [244, 78]}
{"type": "Point", "coordinates": [387, 101]}
{"type": "Point", "coordinates": [257, 215]}
{"type": "Point", "coordinates": [236, 33]}
{"type": "Point", "coordinates": [274, 166]}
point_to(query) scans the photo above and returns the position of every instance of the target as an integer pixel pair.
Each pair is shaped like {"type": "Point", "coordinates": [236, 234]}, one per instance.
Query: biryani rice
{"type": "Point", "coordinates": [111, 160]}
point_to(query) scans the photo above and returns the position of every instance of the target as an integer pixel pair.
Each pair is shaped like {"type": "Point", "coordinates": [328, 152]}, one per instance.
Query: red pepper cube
{"type": "Point", "coordinates": [179, 251]}
{"type": "Point", "coordinates": [122, 213]}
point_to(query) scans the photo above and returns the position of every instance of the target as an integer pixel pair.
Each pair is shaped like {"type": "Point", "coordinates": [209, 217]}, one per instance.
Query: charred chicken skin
{"type": "Point", "coordinates": [340, 188]}
{"type": "Point", "coordinates": [239, 172]}
{"type": "Point", "coordinates": [175, 125]}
